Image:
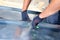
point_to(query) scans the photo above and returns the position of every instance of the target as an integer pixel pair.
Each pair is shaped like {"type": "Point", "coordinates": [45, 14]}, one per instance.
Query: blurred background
{"type": "Point", "coordinates": [35, 4]}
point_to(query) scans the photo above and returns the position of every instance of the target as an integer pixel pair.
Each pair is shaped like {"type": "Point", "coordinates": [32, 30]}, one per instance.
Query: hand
{"type": "Point", "coordinates": [36, 21]}
{"type": "Point", "coordinates": [25, 16]}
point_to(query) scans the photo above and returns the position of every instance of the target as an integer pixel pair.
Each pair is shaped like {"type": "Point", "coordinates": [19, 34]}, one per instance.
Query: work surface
{"type": "Point", "coordinates": [11, 28]}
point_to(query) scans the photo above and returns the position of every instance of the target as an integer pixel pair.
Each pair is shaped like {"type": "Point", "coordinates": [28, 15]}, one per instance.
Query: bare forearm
{"type": "Point", "coordinates": [26, 4]}
{"type": "Point", "coordinates": [53, 7]}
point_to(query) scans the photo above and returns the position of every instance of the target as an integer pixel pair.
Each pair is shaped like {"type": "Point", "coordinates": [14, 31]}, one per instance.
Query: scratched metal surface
{"type": "Point", "coordinates": [11, 28]}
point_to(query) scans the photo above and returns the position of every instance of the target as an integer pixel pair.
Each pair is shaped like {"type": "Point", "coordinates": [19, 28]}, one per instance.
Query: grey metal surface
{"type": "Point", "coordinates": [47, 25]}
{"type": "Point", "coordinates": [14, 30]}
{"type": "Point", "coordinates": [46, 31]}
{"type": "Point", "coordinates": [10, 13]}
{"type": "Point", "coordinates": [11, 28]}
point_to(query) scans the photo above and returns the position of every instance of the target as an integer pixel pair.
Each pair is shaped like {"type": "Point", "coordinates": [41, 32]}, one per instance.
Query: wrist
{"type": "Point", "coordinates": [40, 16]}
{"type": "Point", "coordinates": [24, 10]}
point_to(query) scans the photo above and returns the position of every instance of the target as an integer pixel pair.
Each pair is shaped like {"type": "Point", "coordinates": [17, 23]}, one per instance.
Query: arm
{"type": "Point", "coordinates": [25, 16]}
{"type": "Point", "coordinates": [53, 7]}
{"type": "Point", "coordinates": [26, 4]}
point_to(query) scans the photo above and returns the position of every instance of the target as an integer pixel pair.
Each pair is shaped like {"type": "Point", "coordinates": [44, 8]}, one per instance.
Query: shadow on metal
{"type": "Point", "coordinates": [13, 29]}
{"type": "Point", "coordinates": [46, 31]}
{"type": "Point", "coordinates": [20, 30]}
